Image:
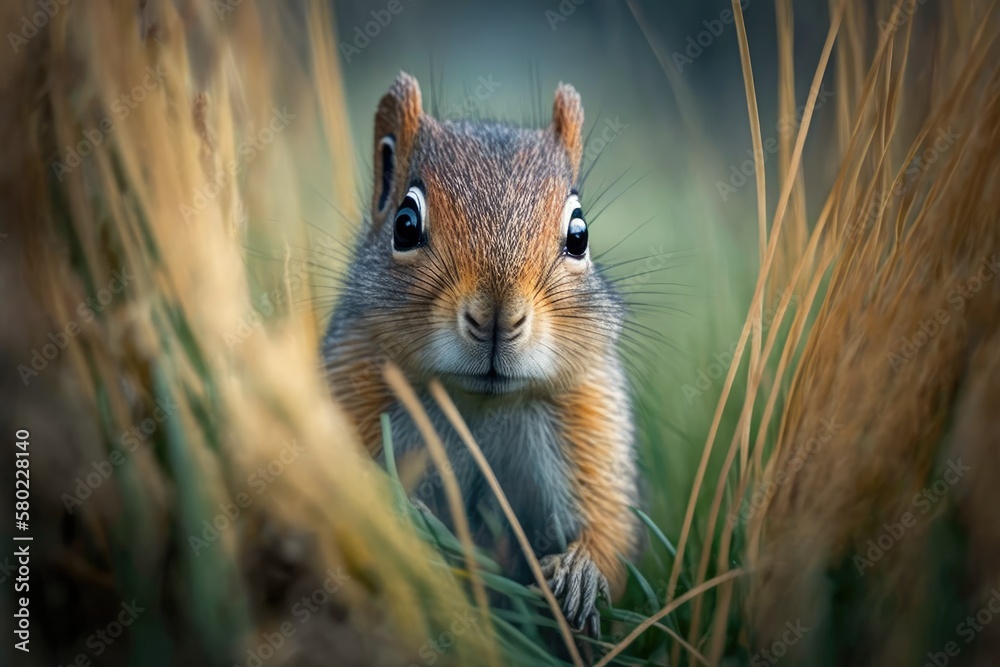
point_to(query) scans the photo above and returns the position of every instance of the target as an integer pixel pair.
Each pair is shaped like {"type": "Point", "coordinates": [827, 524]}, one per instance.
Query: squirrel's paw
{"type": "Point", "coordinates": [576, 582]}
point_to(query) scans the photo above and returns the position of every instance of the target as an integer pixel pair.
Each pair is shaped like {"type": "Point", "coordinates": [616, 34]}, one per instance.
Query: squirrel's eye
{"type": "Point", "coordinates": [575, 228]}
{"type": "Point", "coordinates": [408, 228]}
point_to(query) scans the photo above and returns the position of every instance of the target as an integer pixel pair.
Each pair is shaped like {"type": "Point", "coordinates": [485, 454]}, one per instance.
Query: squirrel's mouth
{"type": "Point", "coordinates": [490, 383]}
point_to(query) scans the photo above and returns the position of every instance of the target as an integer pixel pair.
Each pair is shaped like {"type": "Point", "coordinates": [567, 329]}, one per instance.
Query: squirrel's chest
{"type": "Point", "coordinates": [526, 452]}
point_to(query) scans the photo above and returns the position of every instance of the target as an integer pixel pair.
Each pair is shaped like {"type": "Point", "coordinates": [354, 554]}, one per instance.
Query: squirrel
{"type": "Point", "coordinates": [475, 268]}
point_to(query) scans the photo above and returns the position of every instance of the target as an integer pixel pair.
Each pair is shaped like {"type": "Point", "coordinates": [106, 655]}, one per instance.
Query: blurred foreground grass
{"type": "Point", "coordinates": [249, 515]}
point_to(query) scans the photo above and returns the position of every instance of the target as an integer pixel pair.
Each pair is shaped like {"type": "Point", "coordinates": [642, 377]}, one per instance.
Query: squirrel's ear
{"type": "Point", "coordinates": [567, 124]}
{"type": "Point", "coordinates": [396, 123]}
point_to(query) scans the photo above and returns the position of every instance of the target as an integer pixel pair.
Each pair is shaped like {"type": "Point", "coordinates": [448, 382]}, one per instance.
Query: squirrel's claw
{"type": "Point", "coordinates": [576, 582]}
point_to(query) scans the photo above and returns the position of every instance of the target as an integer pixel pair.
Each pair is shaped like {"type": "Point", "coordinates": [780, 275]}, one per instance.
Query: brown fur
{"type": "Point", "coordinates": [593, 429]}
{"type": "Point", "coordinates": [495, 200]}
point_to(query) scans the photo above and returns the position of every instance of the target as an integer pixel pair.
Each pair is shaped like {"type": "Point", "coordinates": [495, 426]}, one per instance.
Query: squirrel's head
{"type": "Point", "coordinates": [478, 250]}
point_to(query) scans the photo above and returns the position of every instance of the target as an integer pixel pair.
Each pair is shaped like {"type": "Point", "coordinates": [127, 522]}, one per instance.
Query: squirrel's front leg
{"type": "Point", "coordinates": [597, 438]}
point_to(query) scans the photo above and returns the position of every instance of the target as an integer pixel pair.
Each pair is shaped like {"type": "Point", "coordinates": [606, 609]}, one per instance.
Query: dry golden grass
{"type": "Point", "coordinates": [903, 414]}
{"type": "Point", "coordinates": [876, 268]}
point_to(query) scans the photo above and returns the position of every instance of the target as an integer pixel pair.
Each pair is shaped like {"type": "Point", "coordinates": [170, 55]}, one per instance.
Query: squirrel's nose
{"type": "Point", "coordinates": [481, 321]}
{"type": "Point", "coordinates": [477, 321]}
{"type": "Point", "coordinates": [514, 321]}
